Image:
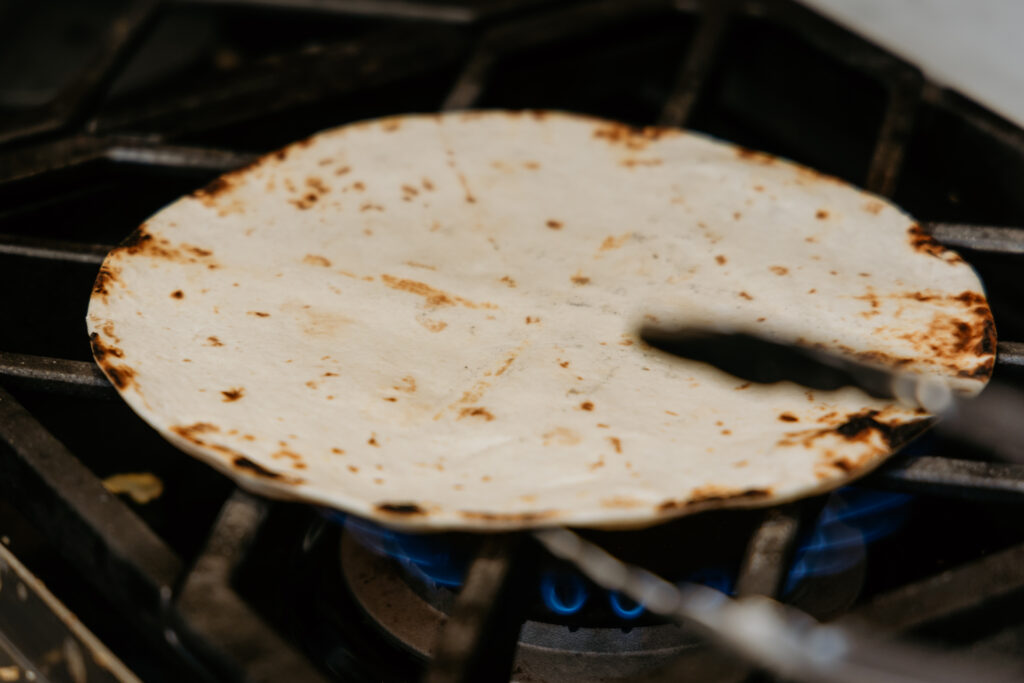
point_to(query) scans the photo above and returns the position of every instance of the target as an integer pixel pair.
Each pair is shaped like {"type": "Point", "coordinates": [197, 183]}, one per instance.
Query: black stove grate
{"type": "Point", "coordinates": [84, 168]}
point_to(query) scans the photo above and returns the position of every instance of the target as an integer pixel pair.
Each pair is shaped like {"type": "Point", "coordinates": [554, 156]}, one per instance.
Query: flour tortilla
{"type": "Point", "coordinates": [430, 321]}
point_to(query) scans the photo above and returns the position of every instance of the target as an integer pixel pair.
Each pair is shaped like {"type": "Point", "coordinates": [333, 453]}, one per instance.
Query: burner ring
{"type": "Point", "coordinates": [547, 652]}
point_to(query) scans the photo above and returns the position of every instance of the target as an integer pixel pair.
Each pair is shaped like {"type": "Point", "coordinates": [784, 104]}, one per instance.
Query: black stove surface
{"type": "Point", "coordinates": [108, 112]}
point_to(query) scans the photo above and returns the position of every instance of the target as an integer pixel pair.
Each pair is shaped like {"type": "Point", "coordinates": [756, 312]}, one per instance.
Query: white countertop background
{"type": "Point", "coordinates": [973, 46]}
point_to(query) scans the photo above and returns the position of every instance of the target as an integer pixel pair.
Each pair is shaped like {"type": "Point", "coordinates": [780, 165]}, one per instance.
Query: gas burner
{"type": "Point", "coordinates": [546, 651]}
{"type": "Point", "coordinates": [407, 584]}
{"type": "Point", "coordinates": [176, 587]}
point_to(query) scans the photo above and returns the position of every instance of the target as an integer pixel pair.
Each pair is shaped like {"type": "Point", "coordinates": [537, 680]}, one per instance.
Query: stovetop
{"type": "Point", "coordinates": [110, 111]}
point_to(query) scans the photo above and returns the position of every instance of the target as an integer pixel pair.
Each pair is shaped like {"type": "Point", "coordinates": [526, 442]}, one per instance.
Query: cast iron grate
{"type": "Point", "coordinates": [83, 168]}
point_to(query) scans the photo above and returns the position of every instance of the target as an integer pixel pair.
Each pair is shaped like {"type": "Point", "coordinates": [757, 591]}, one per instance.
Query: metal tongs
{"type": "Point", "coordinates": [777, 637]}
{"type": "Point", "coordinates": [991, 420]}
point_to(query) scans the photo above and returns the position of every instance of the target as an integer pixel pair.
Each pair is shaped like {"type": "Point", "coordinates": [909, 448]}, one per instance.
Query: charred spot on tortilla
{"type": "Point", "coordinates": [508, 516]}
{"type": "Point", "coordinates": [233, 394]}
{"type": "Point", "coordinates": [255, 468]}
{"type": "Point", "coordinates": [100, 349]}
{"type": "Point", "coordinates": [476, 411]}
{"type": "Point", "coordinates": [401, 509]}
{"type": "Point", "coordinates": [121, 376]}
{"type": "Point", "coordinates": [713, 495]}
{"type": "Point", "coordinates": [858, 426]}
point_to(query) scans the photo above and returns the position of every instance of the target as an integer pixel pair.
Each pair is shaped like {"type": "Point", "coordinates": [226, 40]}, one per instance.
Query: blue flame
{"type": "Point", "coordinates": [720, 579]}
{"type": "Point", "coordinates": [433, 559]}
{"type": "Point", "coordinates": [623, 606]}
{"type": "Point", "coordinates": [563, 593]}
{"type": "Point", "coordinates": [851, 520]}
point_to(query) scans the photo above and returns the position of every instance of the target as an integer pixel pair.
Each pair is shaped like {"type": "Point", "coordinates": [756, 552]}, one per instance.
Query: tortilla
{"type": "Point", "coordinates": [431, 322]}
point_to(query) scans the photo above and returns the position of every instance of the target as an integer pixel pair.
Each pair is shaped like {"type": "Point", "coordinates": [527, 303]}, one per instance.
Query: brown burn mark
{"type": "Point", "coordinates": [616, 443]}
{"type": "Point", "coordinates": [821, 214]}
{"type": "Point", "coordinates": [105, 279]}
{"type": "Point", "coordinates": [532, 320]}
{"type": "Point", "coordinates": [779, 270]}
{"type": "Point", "coordinates": [620, 502]}
{"type": "Point", "coordinates": [982, 371]}
{"type": "Point", "coordinates": [950, 340]}
{"type": "Point", "coordinates": [246, 465]}
{"type": "Point", "coordinates": [612, 242]}
{"type": "Point", "coordinates": [190, 432]}
{"type": "Point", "coordinates": [630, 137]}
{"type": "Point", "coordinates": [789, 417]}
{"type": "Point", "coordinates": [373, 440]}
{"type": "Point", "coordinates": [407, 384]}
{"type": "Point", "coordinates": [844, 464]}
{"type": "Point", "coordinates": [475, 411]}
{"type": "Point", "coordinates": [924, 243]}
{"type": "Point", "coordinates": [258, 314]}
{"type": "Point", "coordinates": [744, 295]}
{"type": "Point", "coordinates": [316, 260]}
{"type": "Point", "coordinates": [720, 260]}
{"type": "Point", "coordinates": [214, 188]}
{"type": "Point", "coordinates": [554, 225]}
{"type": "Point", "coordinates": [213, 341]}
{"type": "Point", "coordinates": [467, 193]}
{"type": "Point", "coordinates": [435, 297]}
{"type": "Point", "coordinates": [753, 155]}
{"type": "Point", "coordinates": [143, 243]}
{"type": "Point", "coordinates": [403, 509]}
{"type": "Point", "coordinates": [715, 494]}
{"type": "Point", "coordinates": [579, 279]}
{"type": "Point", "coordinates": [286, 454]}
{"type": "Point", "coordinates": [433, 325]}
{"type": "Point", "coordinates": [233, 394]}
{"type": "Point", "coordinates": [634, 162]}
{"type": "Point", "coordinates": [121, 376]}
{"type": "Point", "coordinates": [859, 426]}
{"type": "Point", "coordinates": [986, 344]}
{"type": "Point", "coordinates": [587, 405]}
{"type": "Point", "coordinates": [216, 194]}
{"type": "Point", "coordinates": [508, 517]}
{"type": "Point", "coordinates": [509, 282]}
{"type": "Point", "coordinates": [562, 436]}
{"type": "Point", "coordinates": [177, 294]}
{"type": "Point", "coordinates": [101, 350]}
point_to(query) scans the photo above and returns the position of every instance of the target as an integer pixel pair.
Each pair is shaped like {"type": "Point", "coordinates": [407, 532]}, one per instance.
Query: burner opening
{"type": "Point", "coordinates": [563, 593]}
